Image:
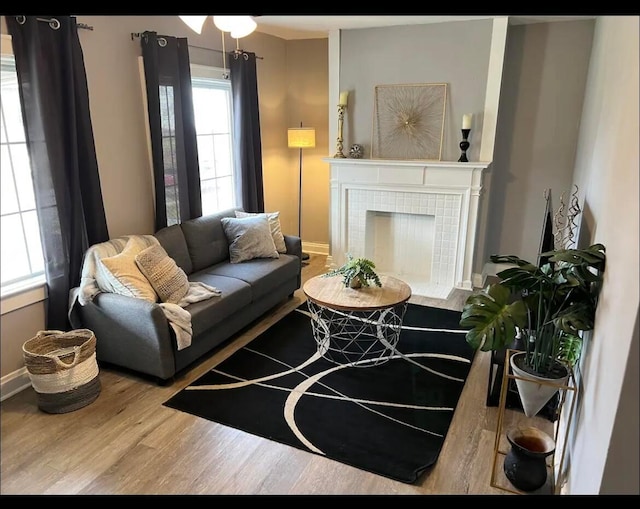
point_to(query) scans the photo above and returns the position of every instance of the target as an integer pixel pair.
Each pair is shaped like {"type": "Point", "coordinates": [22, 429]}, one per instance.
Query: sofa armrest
{"type": "Point", "coordinates": [294, 245]}
{"type": "Point", "coordinates": [131, 312]}
{"type": "Point", "coordinates": [130, 332]}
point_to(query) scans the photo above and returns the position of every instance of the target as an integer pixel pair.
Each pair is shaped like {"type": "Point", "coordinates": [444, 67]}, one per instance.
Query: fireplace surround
{"type": "Point", "coordinates": [417, 220]}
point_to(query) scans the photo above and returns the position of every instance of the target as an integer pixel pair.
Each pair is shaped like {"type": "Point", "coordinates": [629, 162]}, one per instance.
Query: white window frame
{"type": "Point", "coordinates": [30, 290]}
{"type": "Point", "coordinates": [198, 71]}
{"type": "Point", "coordinates": [220, 78]}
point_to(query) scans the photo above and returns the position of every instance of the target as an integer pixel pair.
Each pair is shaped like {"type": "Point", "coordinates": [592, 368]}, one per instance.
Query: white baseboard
{"type": "Point", "coordinates": [329, 262]}
{"type": "Point", "coordinates": [315, 248]}
{"type": "Point", "coordinates": [14, 382]}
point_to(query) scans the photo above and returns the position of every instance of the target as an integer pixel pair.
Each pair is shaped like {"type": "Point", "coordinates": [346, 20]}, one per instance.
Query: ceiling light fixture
{"type": "Point", "coordinates": [195, 23]}
{"type": "Point", "coordinates": [237, 26]}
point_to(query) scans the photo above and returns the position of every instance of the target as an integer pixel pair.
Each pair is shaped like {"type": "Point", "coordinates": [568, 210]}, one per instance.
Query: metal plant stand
{"type": "Point", "coordinates": [558, 455]}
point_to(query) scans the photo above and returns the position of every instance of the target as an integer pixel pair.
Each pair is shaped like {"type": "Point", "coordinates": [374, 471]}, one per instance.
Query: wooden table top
{"type": "Point", "coordinates": [330, 292]}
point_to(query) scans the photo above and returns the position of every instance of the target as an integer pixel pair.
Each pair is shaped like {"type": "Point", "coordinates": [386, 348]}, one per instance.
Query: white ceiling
{"type": "Point", "coordinates": [318, 26]}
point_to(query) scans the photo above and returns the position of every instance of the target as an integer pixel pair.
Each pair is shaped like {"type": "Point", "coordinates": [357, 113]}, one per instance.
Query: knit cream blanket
{"type": "Point", "coordinates": [178, 317]}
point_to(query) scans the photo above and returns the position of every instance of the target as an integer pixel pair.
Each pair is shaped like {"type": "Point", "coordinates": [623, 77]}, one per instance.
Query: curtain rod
{"type": "Point", "coordinates": [53, 23]}
{"type": "Point", "coordinates": [139, 34]}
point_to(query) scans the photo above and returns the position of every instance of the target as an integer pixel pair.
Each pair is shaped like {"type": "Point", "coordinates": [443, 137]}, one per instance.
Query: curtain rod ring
{"type": "Point", "coordinates": [240, 52]}
{"type": "Point", "coordinates": [162, 42]}
{"type": "Point", "coordinates": [53, 22]}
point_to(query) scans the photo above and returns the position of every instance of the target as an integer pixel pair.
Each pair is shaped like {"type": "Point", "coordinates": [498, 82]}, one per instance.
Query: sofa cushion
{"type": "Point", "coordinates": [274, 225]}
{"type": "Point", "coordinates": [168, 280]}
{"type": "Point", "coordinates": [172, 240]}
{"type": "Point", "coordinates": [120, 274]}
{"type": "Point", "coordinates": [235, 295]}
{"type": "Point", "coordinates": [263, 274]}
{"type": "Point", "coordinates": [249, 238]}
{"type": "Point", "coordinates": [206, 240]}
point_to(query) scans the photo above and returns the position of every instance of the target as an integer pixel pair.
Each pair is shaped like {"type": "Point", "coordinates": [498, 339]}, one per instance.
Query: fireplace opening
{"type": "Point", "coordinates": [401, 244]}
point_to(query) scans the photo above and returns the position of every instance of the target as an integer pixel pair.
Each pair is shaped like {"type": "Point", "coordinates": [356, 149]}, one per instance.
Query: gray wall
{"type": "Point", "coordinates": [541, 99]}
{"type": "Point", "coordinates": [605, 452]}
{"type": "Point", "coordinates": [543, 84]}
{"type": "Point", "coordinates": [623, 449]}
{"type": "Point", "coordinates": [307, 102]}
{"type": "Point", "coordinates": [456, 53]}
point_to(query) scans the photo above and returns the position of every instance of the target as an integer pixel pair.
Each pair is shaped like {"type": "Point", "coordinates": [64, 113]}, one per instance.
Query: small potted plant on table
{"type": "Point", "coordinates": [356, 273]}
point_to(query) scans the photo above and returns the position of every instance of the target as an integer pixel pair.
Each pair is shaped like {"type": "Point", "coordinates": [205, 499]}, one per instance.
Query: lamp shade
{"type": "Point", "coordinates": [195, 23]}
{"type": "Point", "coordinates": [301, 137]}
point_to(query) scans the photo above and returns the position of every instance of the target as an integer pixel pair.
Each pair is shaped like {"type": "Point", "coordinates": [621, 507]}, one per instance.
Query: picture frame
{"type": "Point", "coordinates": [408, 121]}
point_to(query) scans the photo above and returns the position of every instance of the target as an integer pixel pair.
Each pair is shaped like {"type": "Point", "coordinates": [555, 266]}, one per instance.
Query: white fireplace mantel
{"type": "Point", "coordinates": [436, 206]}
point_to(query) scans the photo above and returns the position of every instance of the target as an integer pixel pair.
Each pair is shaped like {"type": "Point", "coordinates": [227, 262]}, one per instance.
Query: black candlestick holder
{"type": "Point", "coordinates": [464, 146]}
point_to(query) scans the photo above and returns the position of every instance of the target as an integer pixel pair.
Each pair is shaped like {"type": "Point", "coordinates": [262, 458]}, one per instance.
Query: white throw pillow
{"type": "Point", "coordinates": [168, 280]}
{"type": "Point", "coordinates": [249, 238]}
{"type": "Point", "coordinates": [120, 274]}
{"type": "Point", "coordinates": [274, 225]}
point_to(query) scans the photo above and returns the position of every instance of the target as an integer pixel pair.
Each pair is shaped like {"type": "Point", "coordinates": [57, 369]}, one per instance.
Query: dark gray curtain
{"type": "Point", "coordinates": [59, 135]}
{"type": "Point", "coordinates": [173, 130]}
{"type": "Point", "coordinates": [246, 131]}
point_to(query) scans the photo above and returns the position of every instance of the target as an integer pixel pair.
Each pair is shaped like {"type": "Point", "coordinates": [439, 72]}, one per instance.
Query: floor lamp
{"type": "Point", "coordinates": [301, 137]}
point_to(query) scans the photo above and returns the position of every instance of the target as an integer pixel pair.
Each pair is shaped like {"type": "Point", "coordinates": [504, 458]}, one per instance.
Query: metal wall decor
{"type": "Point", "coordinates": [408, 121]}
{"type": "Point", "coordinates": [564, 221]}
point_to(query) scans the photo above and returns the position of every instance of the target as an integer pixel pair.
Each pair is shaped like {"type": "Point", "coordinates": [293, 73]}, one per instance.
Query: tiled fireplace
{"type": "Point", "coordinates": [416, 220]}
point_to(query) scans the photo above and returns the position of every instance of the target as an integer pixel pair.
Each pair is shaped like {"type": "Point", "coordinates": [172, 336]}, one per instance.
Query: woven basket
{"type": "Point", "coordinates": [63, 369]}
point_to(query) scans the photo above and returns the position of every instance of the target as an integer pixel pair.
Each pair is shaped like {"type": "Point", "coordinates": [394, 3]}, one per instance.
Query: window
{"type": "Point", "coordinates": [21, 260]}
{"type": "Point", "coordinates": [212, 105]}
{"type": "Point", "coordinates": [212, 110]}
{"type": "Point", "coordinates": [168, 122]}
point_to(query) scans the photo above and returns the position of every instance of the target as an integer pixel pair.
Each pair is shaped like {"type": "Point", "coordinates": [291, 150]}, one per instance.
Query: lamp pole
{"type": "Point", "coordinates": [300, 195]}
{"type": "Point", "coordinates": [301, 137]}
{"type": "Point", "coordinates": [305, 256]}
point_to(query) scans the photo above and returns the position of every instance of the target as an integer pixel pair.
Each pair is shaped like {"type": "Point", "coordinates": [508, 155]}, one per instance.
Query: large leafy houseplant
{"type": "Point", "coordinates": [547, 307]}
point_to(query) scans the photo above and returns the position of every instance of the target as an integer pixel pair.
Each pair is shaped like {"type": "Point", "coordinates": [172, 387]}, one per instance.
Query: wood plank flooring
{"type": "Point", "coordinates": [127, 443]}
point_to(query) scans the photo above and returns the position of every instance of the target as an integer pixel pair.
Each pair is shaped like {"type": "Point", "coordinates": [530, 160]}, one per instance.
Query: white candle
{"type": "Point", "coordinates": [343, 98]}
{"type": "Point", "coordinates": [466, 121]}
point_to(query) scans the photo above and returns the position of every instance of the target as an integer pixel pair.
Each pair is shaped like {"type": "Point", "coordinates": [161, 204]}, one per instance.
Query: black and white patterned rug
{"type": "Point", "coordinates": [390, 419]}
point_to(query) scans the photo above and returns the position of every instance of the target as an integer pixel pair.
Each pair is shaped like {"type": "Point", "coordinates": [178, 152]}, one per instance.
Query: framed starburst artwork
{"type": "Point", "coordinates": [408, 121]}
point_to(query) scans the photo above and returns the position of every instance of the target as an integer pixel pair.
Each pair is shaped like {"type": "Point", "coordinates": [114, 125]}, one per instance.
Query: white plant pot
{"type": "Point", "coordinates": [536, 390]}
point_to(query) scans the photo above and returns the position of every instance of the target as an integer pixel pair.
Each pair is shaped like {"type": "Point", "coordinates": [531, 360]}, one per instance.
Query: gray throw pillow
{"type": "Point", "coordinates": [249, 238]}
{"type": "Point", "coordinates": [274, 225]}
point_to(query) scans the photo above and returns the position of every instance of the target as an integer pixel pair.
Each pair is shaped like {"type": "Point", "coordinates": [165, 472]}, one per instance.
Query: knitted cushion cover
{"type": "Point", "coordinates": [168, 280]}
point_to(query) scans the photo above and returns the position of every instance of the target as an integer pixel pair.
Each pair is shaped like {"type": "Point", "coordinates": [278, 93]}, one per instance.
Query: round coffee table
{"type": "Point", "coordinates": [359, 327]}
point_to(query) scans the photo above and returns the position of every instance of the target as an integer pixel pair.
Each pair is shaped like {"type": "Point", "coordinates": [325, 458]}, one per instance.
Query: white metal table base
{"type": "Point", "coordinates": [356, 338]}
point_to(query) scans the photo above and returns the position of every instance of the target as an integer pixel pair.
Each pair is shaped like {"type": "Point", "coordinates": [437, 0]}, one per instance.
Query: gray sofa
{"type": "Point", "coordinates": [135, 334]}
